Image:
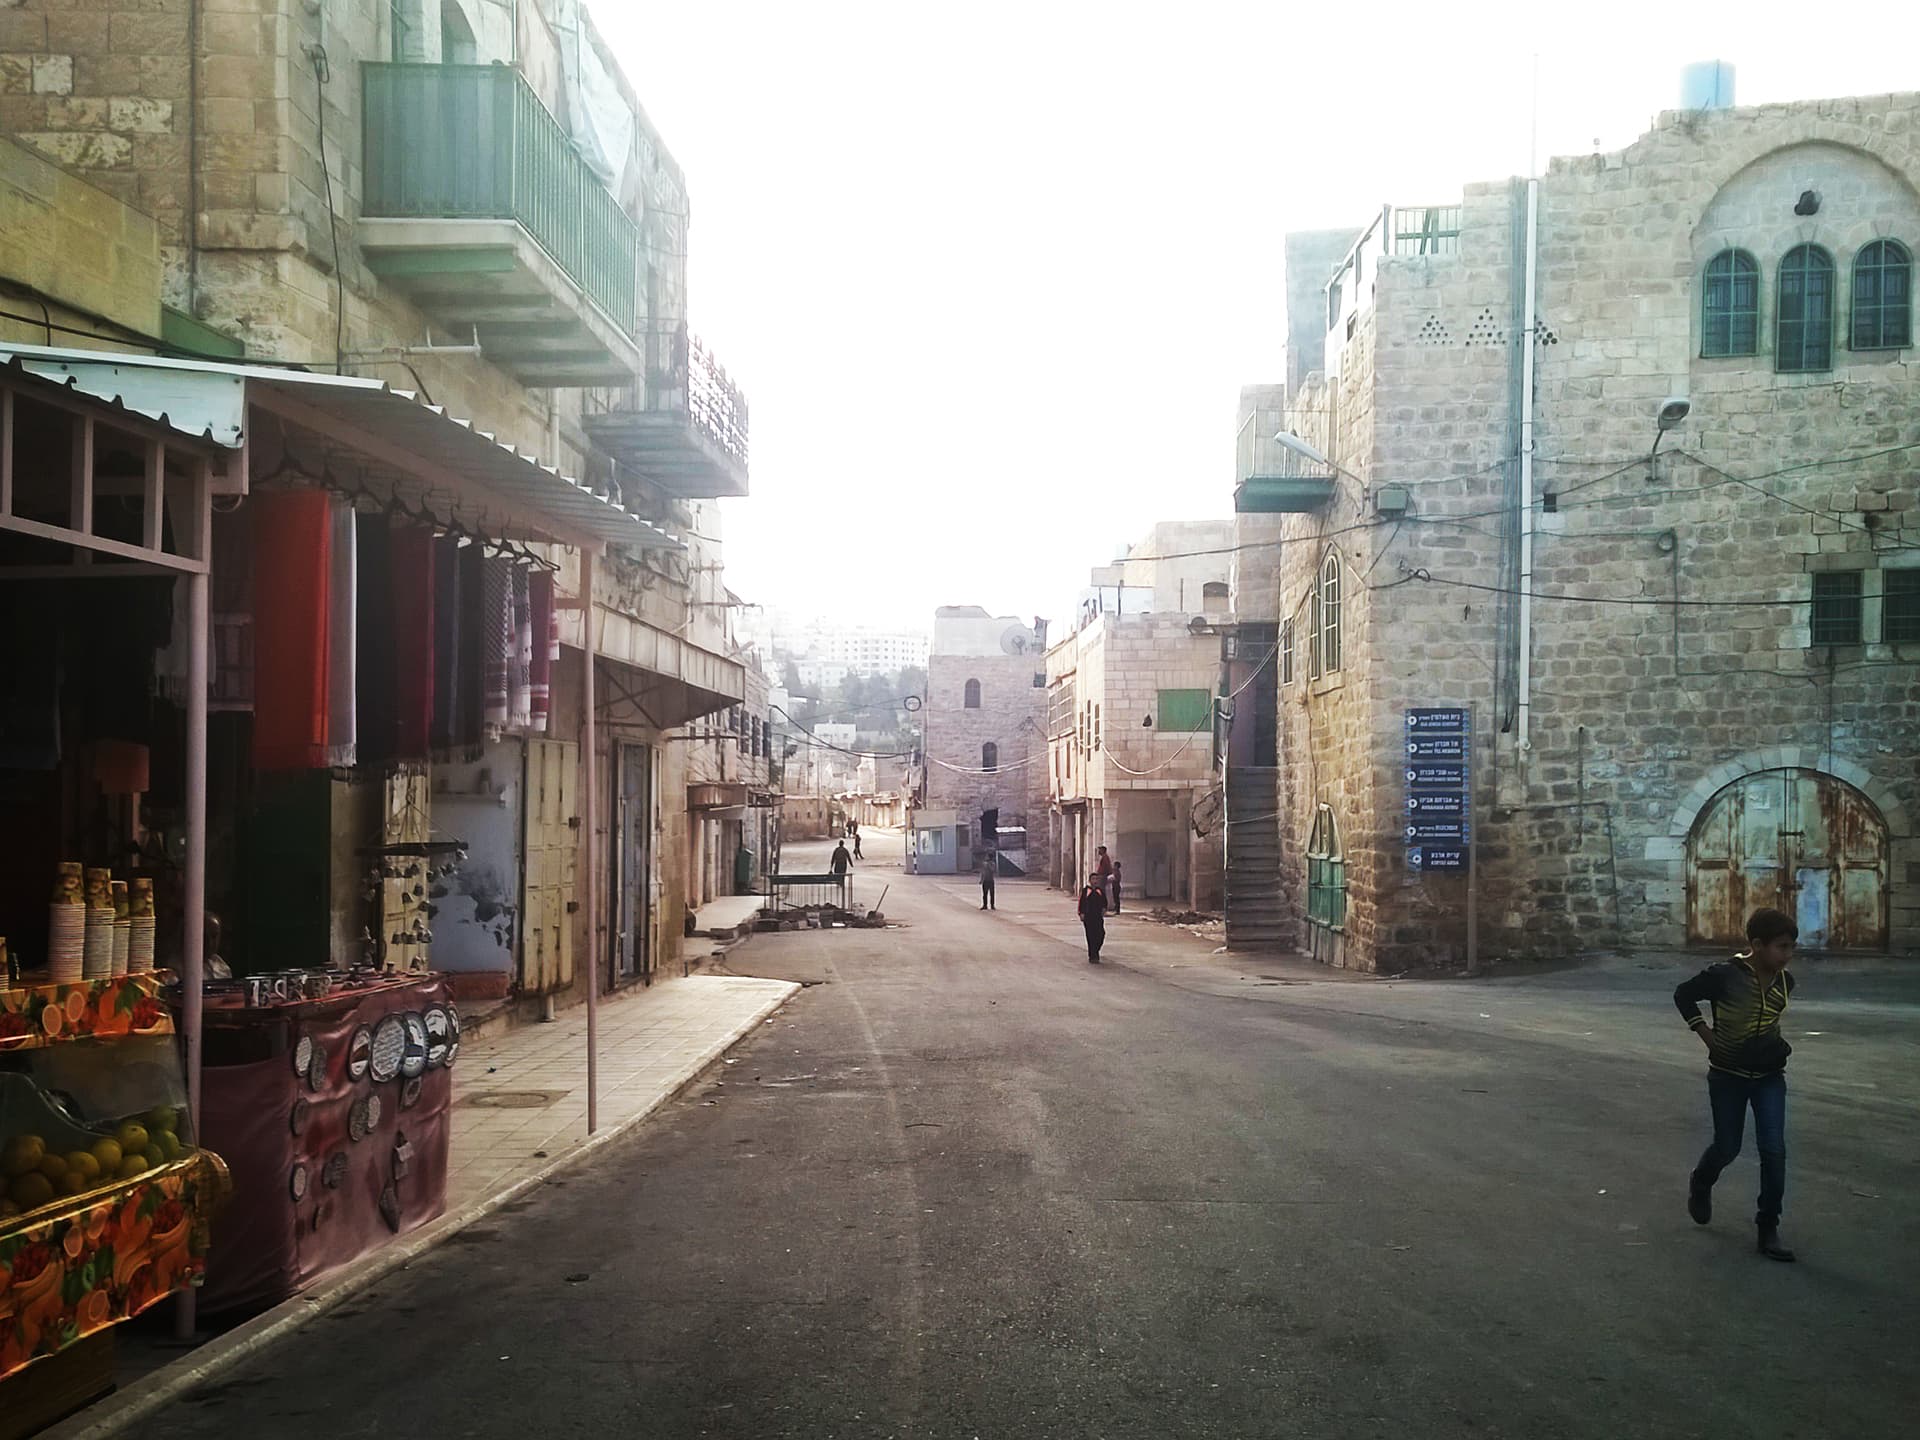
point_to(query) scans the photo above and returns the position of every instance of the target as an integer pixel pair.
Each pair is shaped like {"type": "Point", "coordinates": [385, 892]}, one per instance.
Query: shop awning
{"type": "Point", "coordinates": [394, 436]}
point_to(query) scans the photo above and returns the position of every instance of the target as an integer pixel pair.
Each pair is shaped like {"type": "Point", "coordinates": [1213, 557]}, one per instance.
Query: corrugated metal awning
{"type": "Point", "coordinates": [404, 436]}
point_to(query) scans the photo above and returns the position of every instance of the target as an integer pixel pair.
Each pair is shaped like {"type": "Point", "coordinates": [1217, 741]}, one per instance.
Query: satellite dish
{"type": "Point", "coordinates": [1016, 640]}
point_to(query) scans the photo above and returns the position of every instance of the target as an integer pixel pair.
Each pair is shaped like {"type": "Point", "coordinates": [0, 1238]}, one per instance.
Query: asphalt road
{"type": "Point", "coordinates": [966, 1185]}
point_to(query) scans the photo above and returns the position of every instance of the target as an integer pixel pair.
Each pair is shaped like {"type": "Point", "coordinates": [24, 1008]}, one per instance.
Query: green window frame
{"type": "Point", "coordinates": [1286, 652]}
{"type": "Point", "coordinates": [1837, 607]}
{"type": "Point", "coordinates": [1184, 711]}
{"type": "Point", "coordinates": [1803, 319]}
{"type": "Point", "coordinates": [1882, 297]}
{"type": "Point", "coordinates": [1324, 636]}
{"type": "Point", "coordinates": [1326, 872]}
{"type": "Point", "coordinates": [1900, 607]}
{"type": "Point", "coordinates": [1730, 305]}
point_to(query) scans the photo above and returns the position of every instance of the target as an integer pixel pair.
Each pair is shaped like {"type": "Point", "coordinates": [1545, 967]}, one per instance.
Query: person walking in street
{"type": "Point", "coordinates": [988, 867]}
{"type": "Point", "coordinates": [1103, 867]}
{"type": "Point", "coordinates": [854, 826]}
{"type": "Point", "coordinates": [1746, 1067]}
{"type": "Point", "coordinates": [1113, 887]}
{"type": "Point", "coordinates": [841, 863]}
{"type": "Point", "coordinates": [1093, 915]}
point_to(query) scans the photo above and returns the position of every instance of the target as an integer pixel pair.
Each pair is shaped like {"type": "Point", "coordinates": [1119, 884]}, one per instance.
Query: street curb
{"type": "Point", "coordinates": [114, 1414]}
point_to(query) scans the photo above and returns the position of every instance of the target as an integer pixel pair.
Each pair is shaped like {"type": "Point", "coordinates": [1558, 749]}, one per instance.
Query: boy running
{"type": "Point", "coordinates": [1746, 1066]}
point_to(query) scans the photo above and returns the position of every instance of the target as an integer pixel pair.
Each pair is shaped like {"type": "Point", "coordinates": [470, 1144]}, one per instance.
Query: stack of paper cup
{"type": "Point", "coordinates": [98, 953]}
{"type": "Point", "coordinates": [140, 941]}
{"type": "Point", "coordinates": [122, 927]}
{"type": "Point", "coordinates": [67, 916]}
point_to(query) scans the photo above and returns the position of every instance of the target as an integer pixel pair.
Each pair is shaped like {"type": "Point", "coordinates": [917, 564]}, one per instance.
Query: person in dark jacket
{"type": "Point", "coordinates": [1746, 1067]}
{"type": "Point", "coordinates": [1093, 915]}
{"type": "Point", "coordinates": [987, 872]}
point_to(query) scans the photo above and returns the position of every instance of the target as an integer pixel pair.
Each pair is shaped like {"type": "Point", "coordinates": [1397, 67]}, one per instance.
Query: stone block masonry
{"type": "Point", "coordinates": [1011, 716]}
{"type": "Point", "coordinates": [1673, 663]}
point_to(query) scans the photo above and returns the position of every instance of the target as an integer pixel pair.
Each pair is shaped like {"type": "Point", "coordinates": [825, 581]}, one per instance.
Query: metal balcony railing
{"type": "Point", "coordinates": [449, 142]}
{"type": "Point", "coordinates": [1260, 457]}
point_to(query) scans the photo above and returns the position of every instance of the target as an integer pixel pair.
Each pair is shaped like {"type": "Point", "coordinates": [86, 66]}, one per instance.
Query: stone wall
{"type": "Point", "coordinates": [74, 242]}
{"type": "Point", "coordinates": [1686, 660]}
{"type": "Point", "coordinates": [1012, 715]}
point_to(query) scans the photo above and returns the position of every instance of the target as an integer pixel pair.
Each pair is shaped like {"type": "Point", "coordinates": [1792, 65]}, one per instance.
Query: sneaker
{"type": "Point", "coordinates": [1699, 1204]}
{"type": "Point", "coordinates": [1771, 1247]}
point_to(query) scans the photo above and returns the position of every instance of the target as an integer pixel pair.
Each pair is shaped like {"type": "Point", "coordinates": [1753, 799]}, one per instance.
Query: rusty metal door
{"type": "Point", "coordinates": [546, 952]}
{"type": "Point", "coordinates": [1792, 840]}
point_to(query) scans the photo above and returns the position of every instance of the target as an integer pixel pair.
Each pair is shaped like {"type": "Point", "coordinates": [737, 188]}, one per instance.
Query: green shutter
{"type": "Point", "coordinates": [1184, 710]}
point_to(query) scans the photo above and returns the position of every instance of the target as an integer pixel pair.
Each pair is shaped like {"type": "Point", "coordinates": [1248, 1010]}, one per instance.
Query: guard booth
{"type": "Point", "coordinates": [940, 843]}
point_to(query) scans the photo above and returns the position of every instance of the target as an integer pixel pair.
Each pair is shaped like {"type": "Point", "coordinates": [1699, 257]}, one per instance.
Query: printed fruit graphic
{"type": "Point", "coordinates": [107, 1154]}
{"type": "Point", "coordinates": [85, 1163]}
{"type": "Point", "coordinates": [133, 1165]}
{"type": "Point", "coordinates": [23, 1153]}
{"type": "Point", "coordinates": [132, 1136]}
{"type": "Point", "coordinates": [30, 1190]}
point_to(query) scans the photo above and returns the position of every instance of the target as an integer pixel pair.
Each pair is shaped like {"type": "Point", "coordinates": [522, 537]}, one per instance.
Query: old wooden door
{"type": "Point", "coordinates": [633, 864]}
{"type": "Point", "coordinates": [546, 952]}
{"type": "Point", "coordinates": [1792, 840]}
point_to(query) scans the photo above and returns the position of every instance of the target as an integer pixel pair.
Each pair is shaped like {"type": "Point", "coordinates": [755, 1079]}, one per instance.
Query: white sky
{"type": "Point", "coordinates": [992, 274]}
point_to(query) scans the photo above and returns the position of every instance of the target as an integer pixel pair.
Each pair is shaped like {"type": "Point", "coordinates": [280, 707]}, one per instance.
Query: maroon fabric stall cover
{"type": "Point", "coordinates": [292, 546]}
{"type": "Point", "coordinates": [266, 1244]}
{"type": "Point", "coordinates": [411, 556]}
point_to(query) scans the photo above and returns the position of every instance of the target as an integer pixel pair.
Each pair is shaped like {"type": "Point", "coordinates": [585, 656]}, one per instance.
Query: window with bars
{"type": "Point", "coordinates": [1900, 607]}
{"type": "Point", "coordinates": [1286, 652]}
{"type": "Point", "coordinates": [1326, 616]}
{"type": "Point", "coordinates": [1326, 872]}
{"type": "Point", "coordinates": [1803, 324]}
{"type": "Point", "coordinates": [1730, 305]}
{"type": "Point", "coordinates": [1836, 607]}
{"type": "Point", "coordinates": [1882, 297]}
{"type": "Point", "coordinates": [1096, 727]}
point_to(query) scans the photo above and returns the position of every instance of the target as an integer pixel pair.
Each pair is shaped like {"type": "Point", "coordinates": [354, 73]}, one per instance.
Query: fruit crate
{"type": "Point", "coordinates": [104, 1201]}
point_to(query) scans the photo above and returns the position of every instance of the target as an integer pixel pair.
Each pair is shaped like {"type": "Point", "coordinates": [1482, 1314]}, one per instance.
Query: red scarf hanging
{"type": "Point", "coordinates": [413, 652]}
{"type": "Point", "coordinates": [292, 552]}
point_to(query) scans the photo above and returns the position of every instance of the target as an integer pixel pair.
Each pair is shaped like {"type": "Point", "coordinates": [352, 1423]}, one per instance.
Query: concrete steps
{"type": "Point", "coordinates": [1257, 917]}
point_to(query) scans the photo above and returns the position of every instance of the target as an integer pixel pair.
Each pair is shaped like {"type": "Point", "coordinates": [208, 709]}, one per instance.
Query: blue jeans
{"type": "Point", "coordinates": [1730, 1095]}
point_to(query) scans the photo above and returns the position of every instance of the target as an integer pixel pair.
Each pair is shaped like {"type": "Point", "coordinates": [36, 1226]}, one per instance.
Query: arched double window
{"type": "Point", "coordinates": [972, 698]}
{"type": "Point", "coordinates": [1730, 305]}
{"type": "Point", "coordinates": [989, 756]}
{"type": "Point", "coordinates": [1882, 297]}
{"type": "Point", "coordinates": [1803, 324]}
{"type": "Point", "coordinates": [1323, 630]}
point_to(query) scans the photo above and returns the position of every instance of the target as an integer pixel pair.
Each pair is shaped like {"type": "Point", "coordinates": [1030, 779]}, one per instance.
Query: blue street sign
{"type": "Point", "coordinates": [1444, 831]}
{"type": "Point", "coordinates": [1436, 720]}
{"type": "Point", "coordinates": [1438, 777]}
{"type": "Point", "coordinates": [1438, 747]}
{"type": "Point", "coordinates": [1432, 859]}
{"type": "Point", "coordinates": [1437, 802]}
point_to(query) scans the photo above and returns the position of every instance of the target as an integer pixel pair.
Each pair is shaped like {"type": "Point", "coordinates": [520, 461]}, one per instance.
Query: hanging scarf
{"type": "Point", "coordinates": [342, 597]}
{"type": "Point", "coordinates": [496, 639]}
{"type": "Point", "coordinates": [293, 540]}
{"type": "Point", "coordinates": [414, 621]}
{"type": "Point", "coordinates": [446, 644]}
{"type": "Point", "coordinates": [520, 668]}
{"type": "Point", "coordinates": [540, 663]}
{"type": "Point", "coordinates": [374, 638]}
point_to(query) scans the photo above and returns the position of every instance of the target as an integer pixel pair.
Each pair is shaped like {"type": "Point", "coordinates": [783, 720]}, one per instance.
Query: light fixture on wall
{"type": "Point", "coordinates": [1673, 410]}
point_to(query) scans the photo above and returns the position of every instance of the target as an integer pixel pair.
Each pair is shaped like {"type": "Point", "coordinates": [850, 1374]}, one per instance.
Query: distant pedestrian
{"type": "Point", "coordinates": [1093, 915]}
{"type": "Point", "coordinates": [987, 871]}
{"type": "Point", "coordinates": [1113, 886]}
{"type": "Point", "coordinates": [856, 841]}
{"type": "Point", "coordinates": [1746, 1067]}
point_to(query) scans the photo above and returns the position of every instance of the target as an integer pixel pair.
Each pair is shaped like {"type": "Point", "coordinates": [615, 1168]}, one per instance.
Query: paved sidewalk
{"type": "Point", "coordinates": [520, 1096]}
{"type": "Point", "coordinates": [519, 1116]}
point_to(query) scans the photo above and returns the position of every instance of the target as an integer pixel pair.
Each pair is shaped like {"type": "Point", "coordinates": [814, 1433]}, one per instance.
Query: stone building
{"type": "Point", "coordinates": [1131, 744]}
{"type": "Point", "coordinates": [1623, 460]}
{"type": "Point", "coordinates": [467, 201]}
{"type": "Point", "coordinates": [984, 725]}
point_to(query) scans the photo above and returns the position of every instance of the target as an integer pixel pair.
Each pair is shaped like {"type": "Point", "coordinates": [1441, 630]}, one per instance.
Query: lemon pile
{"type": "Point", "coordinates": [34, 1175]}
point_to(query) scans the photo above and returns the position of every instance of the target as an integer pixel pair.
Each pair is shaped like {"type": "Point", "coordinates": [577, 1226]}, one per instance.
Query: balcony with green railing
{"type": "Point", "coordinates": [477, 204]}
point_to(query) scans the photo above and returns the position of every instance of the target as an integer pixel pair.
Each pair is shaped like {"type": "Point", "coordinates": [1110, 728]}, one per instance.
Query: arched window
{"type": "Point", "coordinates": [1214, 592]}
{"type": "Point", "coordinates": [1730, 305]}
{"type": "Point", "coordinates": [457, 45]}
{"type": "Point", "coordinates": [1883, 297]}
{"type": "Point", "coordinates": [1326, 872]}
{"type": "Point", "coordinates": [972, 699]}
{"type": "Point", "coordinates": [989, 756]}
{"type": "Point", "coordinates": [1803, 327]}
{"type": "Point", "coordinates": [1323, 634]}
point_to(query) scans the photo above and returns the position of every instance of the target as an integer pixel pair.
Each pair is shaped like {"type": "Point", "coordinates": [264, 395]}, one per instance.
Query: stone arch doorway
{"type": "Point", "coordinates": [1792, 839]}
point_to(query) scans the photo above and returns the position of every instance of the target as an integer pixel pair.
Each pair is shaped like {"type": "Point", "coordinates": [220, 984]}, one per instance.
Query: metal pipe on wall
{"type": "Point", "coordinates": [589, 813]}
{"type": "Point", "coordinates": [1529, 321]}
{"type": "Point", "coordinates": [194, 902]}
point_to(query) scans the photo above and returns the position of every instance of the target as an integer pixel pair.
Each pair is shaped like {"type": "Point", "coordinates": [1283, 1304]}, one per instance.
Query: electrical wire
{"type": "Point", "coordinates": [317, 54]}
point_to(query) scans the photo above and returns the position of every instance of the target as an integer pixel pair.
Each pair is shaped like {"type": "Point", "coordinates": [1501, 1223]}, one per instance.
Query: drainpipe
{"type": "Point", "coordinates": [589, 814]}
{"type": "Point", "coordinates": [1529, 306]}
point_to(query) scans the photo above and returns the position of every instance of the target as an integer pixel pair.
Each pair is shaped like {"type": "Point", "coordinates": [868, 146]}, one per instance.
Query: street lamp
{"type": "Point", "coordinates": [1673, 410]}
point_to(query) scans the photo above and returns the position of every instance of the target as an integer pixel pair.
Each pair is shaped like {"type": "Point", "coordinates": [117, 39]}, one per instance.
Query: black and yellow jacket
{"type": "Point", "coordinates": [1746, 1017]}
